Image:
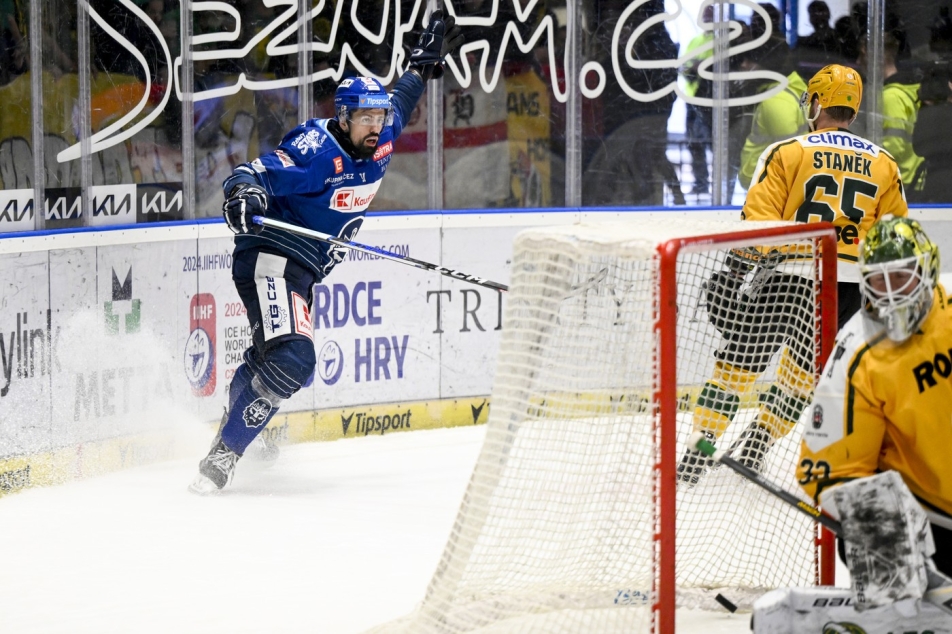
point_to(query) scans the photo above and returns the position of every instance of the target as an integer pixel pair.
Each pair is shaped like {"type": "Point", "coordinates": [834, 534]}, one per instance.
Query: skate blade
{"type": "Point", "coordinates": [260, 456]}
{"type": "Point", "coordinates": [203, 486]}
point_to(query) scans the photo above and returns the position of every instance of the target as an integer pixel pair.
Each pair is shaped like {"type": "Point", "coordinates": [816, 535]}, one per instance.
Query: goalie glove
{"type": "Point", "coordinates": [440, 38]}
{"type": "Point", "coordinates": [244, 202]}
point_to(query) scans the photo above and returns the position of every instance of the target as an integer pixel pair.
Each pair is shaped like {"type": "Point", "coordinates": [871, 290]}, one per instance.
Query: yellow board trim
{"type": "Point", "coordinates": [105, 456]}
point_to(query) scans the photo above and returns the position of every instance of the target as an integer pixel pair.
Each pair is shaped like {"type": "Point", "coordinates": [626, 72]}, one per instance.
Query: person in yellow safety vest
{"type": "Point", "coordinates": [900, 108]}
{"type": "Point", "coordinates": [775, 119]}
{"type": "Point", "coordinates": [697, 122]}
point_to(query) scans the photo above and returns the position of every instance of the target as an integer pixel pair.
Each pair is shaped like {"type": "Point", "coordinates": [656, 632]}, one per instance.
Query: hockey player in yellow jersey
{"type": "Point", "coordinates": [827, 174]}
{"type": "Point", "coordinates": [884, 399]}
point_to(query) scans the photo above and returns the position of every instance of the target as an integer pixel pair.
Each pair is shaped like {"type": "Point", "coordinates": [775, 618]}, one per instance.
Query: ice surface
{"type": "Point", "coordinates": [335, 538]}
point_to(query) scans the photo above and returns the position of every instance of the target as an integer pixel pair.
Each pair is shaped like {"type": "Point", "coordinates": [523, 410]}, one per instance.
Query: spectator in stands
{"type": "Point", "coordinates": [940, 35]}
{"type": "Point", "coordinates": [757, 25]}
{"type": "Point", "coordinates": [847, 38]}
{"type": "Point", "coordinates": [772, 55]}
{"type": "Point", "coordinates": [775, 119]}
{"type": "Point", "coordinates": [631, 164]}
{"type": "Point", "coordinates": [932, 137]}
{"type": "Point", "coordinates": [822, 46]}
{"type": "Point", "coordinates": [14, 50]}
{"type": "Point", "coordinates": [900, 104]}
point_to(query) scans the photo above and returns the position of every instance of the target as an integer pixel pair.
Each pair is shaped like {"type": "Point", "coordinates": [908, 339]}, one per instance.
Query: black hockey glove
{"type": "Point", "coordinates": [440, 38]}
{"type": "Point", "coordinates": [244, 202]}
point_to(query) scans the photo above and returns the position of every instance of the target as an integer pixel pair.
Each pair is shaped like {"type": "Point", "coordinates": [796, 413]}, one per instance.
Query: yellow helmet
{"type": "Point", "coordinates": [836, 85]}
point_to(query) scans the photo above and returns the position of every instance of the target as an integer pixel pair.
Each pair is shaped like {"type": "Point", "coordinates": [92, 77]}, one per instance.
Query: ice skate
{"type": "Point", "coordinates": [751, 448]}
{"type": "Point", "coordinates": [694, 464]}
{"type": "Point", "coordinates": [262, 451]}
{"type": "Point", "coordinates": [215, 470]}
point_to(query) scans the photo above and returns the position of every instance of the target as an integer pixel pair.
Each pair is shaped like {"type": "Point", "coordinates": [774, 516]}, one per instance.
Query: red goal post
{"type": "Point", "coordinates": [666, 396]}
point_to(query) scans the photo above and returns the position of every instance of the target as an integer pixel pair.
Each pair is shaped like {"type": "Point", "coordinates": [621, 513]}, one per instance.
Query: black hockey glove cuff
{"type": "Point", "coordinates": [440, 39]}
{"type": "Point", "coordinates": [244, 202]}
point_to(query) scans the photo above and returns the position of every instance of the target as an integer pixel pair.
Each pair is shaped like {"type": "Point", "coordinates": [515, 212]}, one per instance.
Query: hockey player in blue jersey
{"type": "Point", "coordinates": [322, 176]}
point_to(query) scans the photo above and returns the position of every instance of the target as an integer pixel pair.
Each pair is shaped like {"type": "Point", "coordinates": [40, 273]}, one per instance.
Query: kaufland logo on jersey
{"type": "Point", "coordinates": [354, 198]}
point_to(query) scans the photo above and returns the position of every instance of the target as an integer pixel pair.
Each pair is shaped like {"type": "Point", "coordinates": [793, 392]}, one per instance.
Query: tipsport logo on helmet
{"type": "Point", "coordinates": [373, 101]}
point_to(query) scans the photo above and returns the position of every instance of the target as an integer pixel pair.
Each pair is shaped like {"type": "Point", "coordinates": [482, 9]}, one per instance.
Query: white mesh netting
{"type": "Point", "coordinates": [556, 529]}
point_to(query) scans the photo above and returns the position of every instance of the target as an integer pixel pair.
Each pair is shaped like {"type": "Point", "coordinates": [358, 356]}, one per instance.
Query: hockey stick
{"type": "Point", "coordinates": [388, 255]}
{"type": "Point", "coordinates": [939, 592]}
{"type": "Point", "coordinates": [701, 443]}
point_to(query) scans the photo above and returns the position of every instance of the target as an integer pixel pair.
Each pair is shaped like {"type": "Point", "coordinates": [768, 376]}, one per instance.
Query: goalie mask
{"type": "Point", "coordinates": [900, 269]}
{"type": "Point", "coordinates": [361, 93]}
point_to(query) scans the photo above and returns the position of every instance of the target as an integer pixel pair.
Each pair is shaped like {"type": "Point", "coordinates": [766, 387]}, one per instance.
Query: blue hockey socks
{"type": "Point", "coordinates": [251, 408]}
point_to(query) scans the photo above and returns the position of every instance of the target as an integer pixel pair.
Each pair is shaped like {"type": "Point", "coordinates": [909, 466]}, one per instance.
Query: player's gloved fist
{"type": "Point", "coordinates": [245, 202]}
{"type": "Point", "coordinates": [440, 38]}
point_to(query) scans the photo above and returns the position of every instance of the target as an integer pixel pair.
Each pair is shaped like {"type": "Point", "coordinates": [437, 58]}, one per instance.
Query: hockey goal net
{"type": "Point", "coordinates": [574, 519]}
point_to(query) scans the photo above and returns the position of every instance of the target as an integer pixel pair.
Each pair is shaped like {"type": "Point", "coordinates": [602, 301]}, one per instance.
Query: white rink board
{"type": "Point", "coordinates": [25, 358]}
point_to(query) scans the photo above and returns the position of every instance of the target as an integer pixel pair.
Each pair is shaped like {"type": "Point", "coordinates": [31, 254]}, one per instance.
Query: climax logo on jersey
{"type": "Point", "coordinates": [256, 414]}
{"type": "Point", "coordinates": [842, 139]}
{"type": "Point", "coordinates": [383, 151]}
{"type": "Point", "coordinates": [338, 165]}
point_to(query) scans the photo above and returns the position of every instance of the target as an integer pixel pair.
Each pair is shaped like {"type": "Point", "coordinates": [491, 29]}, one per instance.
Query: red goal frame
{"type": "Point", "coordinates": [665, 394]}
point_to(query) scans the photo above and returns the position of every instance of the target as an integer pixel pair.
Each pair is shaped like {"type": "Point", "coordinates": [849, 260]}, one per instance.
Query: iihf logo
{"type": "Point", "coordinates": [199, 359]}
{"type": "Point", "coordinates": [200, 346]}
{"type": "Point", "coordinates": [817, 416]}
{"type": "Point", "coordinates": [330, 363]}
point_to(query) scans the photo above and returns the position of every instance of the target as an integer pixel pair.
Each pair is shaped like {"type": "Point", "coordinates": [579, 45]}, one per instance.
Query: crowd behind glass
{"type": "Point", "coordinates": [502, 147]}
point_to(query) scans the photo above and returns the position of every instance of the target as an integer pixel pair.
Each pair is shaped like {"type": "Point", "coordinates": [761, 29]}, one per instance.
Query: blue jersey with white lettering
{"type": "Point", "coordinates": [313, 182]}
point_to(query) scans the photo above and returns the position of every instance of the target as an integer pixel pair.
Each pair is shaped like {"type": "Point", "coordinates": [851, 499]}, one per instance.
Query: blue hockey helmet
{"type": "Point", "coordinates": [360, 93]}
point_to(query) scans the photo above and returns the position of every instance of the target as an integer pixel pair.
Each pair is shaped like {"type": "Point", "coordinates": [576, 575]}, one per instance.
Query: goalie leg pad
{"type": "Point", "coordinates": [887, 536]}
{"type": "Point", "coordinates": [831, 610]}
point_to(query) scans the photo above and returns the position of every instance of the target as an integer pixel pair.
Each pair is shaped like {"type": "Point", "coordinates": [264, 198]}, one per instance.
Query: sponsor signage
{"type": "Point", "coordinates": [16, 210]}
{"type": "Point", "coordinates": [159, 202]}
{"type": "Point", "coordinates": [63, 207]}
{"type": "Point", "coordinates": [113, 205]}
{"type": "Point", "coordinates": [110, 205]}
{"type": "Point", "coordinates": [361, 423]}
{"type": "Point", "coordinates": [200, 348]}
